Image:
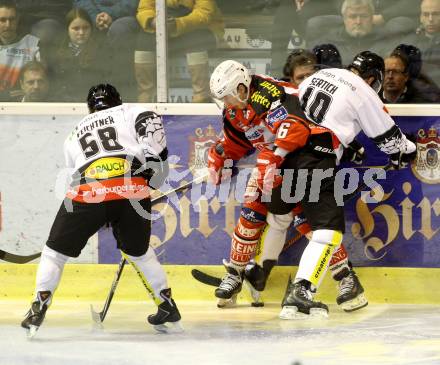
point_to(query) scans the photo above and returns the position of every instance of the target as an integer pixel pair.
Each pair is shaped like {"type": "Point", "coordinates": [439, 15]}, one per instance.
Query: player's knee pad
{"type": "Point", "coordinates": [327, 237]}
{"type": "Point", "coordinates": [279, 222]}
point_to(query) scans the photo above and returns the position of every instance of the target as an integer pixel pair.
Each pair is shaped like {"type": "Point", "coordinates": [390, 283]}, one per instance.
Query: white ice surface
{"type": "Point", "coordinates": [378, 334]}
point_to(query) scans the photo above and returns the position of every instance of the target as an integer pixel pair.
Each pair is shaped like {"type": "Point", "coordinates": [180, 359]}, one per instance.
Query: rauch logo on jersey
{"type": "Point", "coordinates": [107, 167]}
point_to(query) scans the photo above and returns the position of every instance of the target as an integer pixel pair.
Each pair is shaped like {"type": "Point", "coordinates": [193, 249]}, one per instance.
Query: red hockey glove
{"type": "Point", "coordinates": [216, 162]}
{"type": "Point", "coordinates": [267, 164]}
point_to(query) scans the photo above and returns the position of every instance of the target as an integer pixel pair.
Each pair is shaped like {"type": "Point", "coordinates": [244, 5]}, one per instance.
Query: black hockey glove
{"type": "Point", "coordinates": [401, 160]}
{"type": "Point", "coordinates": [354, 152]}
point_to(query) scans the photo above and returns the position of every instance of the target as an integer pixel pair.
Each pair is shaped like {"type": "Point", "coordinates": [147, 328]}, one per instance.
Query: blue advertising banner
{"type": "Point", "coordinates": [401, 230]}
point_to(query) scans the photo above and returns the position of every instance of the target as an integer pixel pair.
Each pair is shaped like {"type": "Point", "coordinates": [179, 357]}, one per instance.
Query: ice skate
{"type": "Point", "coordinates": [167, 318]}
{"type": "Point", "coordinates": [298, 302]}
{"type": "Point", "coordinates": [35, 316]}
{"type": "Point", "coordinates": [255, 278]}
{"type": "Point", "coordinates": [351, 295]}
{"type": "Point", "coordinates": [229, 287]}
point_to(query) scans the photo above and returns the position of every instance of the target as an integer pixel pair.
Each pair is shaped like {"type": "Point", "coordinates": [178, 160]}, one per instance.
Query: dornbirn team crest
{"type": "Point", "coordinates": [427, 165]}
{"type": "Point", "coordinates": [199, 147]}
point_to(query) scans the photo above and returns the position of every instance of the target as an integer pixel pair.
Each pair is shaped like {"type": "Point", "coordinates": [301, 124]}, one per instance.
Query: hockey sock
{"type": "Point", "coordinates": [339, 263]}
{"type": "Point", "coordinates": [151, 273]}
{"type": "Point", "coordinates": [316, 256]}
{"type": "Point", "coordinates": [244, 243]}
{"type": "Point", "coordinates": [270, 245]}
{"type": "Point", "coordinates": [49, 271]}
{"type": "Point", "coordinates": [273, 238]}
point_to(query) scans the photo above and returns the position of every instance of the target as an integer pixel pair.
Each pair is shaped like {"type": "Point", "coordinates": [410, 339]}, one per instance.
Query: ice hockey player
{"type": "Point", "coordinates": [245, 128]}
{"type": "Point", "coordinates": [343, 102]}
{"type": "Point", "coordinates": [117, 152]}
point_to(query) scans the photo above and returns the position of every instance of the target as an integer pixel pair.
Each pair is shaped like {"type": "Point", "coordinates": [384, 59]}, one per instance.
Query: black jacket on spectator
{"type": "Point", "coordinates": [417, 92]}
{"type": "Point", "coordinates": [73, 75]}
{"type": "Point", "coordinates": [430, 49]}
{"type": "Point", "coordinates": [349, 46]}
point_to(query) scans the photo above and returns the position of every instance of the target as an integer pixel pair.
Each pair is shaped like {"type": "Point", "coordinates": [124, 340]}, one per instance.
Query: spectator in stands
{"type": "Point", "coordinates": [328, 55]}
{"type": "Point", "coordinates": [79, 62]}
{"type": "Point", "coordinates": [44, 19]}
{"type": "Point", "coordinates": [194, 27]}
{"type": "Point", "coordinates": [357, 33]}
{"type": "Point", "coordinates": [423, 86]}
{"type": "Point", "coordinates": [15, 49]}
{"type": "Point", "coordinates": [396, 85]}
{"type": "Point", "coordinates": [34, 82]}
{"type": "Point", "coordinates": [299, 65]}
{"type": "Point", "coordinates": [117, 19]}
{"type": "Point", "coordinates": [427, 38]}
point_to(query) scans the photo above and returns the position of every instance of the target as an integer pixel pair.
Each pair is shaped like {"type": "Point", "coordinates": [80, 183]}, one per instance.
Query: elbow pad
{"type": "Point", "coordinates": [392, 141]}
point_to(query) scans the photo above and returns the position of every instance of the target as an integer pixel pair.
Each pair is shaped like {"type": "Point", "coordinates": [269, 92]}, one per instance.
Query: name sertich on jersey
{"type": "Point", "coordinates": [341, 101]}
{"type": "Point", "coordinates": [108, 151]}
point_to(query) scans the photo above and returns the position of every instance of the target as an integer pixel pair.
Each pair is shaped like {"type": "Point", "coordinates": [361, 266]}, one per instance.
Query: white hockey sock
{"type": "Point", "coordinates": [271, 244]}
{"type": "Point", "coordinates": [150, 272]}
{"type": "Point", "coordinates": [49, 270]}
{"type": "Point", "coordinates": [316, 256]}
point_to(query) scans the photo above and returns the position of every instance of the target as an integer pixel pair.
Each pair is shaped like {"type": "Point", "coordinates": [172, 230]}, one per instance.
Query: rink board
{"type": "Point", "coordinates": [400, 231]}
{"type": "Point", "coordinates": [92, 283]}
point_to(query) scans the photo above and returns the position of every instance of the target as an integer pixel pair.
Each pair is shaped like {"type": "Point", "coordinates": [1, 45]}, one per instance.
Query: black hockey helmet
{"type": "Point", "coordinates": [414, 57]}
{"type": "Point", "coordinates": [369, 64]}
{"type": "Point", "coordinates": [103, 96]}
{"type": "Point", "coordinates": [328, 55]}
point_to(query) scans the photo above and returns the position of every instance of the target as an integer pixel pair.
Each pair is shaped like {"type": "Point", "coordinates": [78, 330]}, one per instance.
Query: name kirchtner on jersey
{"type": "Point", "coordinates": [90, 126]}
{"type": "Point", "coordinates": [118, 154]}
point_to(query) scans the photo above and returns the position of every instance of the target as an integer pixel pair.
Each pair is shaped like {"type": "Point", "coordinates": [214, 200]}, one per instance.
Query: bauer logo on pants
{"type": "Point", "coordinates": [107, 167]}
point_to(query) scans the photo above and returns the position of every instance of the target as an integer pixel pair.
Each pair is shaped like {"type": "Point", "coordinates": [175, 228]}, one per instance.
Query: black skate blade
{"type": "Point", "coordinates": [205, 278]}
{"type": "Point", "coordinates": [169, 327]}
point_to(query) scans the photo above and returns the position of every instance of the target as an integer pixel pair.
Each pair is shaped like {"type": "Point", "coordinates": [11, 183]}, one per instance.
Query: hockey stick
{"type": "Point", "coordinates": [99, 317]}
{"type": "Point", "coordinates": [23, 259]}
{"type": "Point", "coordinates": [17, 259]}
{"type": "Point", "coordinates": [200, 179]}
{"type": "Point", "coordinates": [212, 280]}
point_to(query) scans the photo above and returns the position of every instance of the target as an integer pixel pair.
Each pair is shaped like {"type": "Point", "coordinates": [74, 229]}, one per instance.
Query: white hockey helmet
{"type": "Point", "coordinates": [226, 78]}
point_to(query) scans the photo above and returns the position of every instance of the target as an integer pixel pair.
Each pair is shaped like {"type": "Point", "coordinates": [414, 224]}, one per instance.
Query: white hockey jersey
{"type": "Point", "coordinates": [14, 56]}
{"type": "Point", "coordinates": [105, 150]}
{"type": "Point", "coordinates": [343, 102]}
